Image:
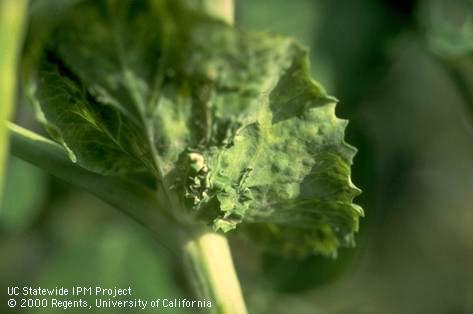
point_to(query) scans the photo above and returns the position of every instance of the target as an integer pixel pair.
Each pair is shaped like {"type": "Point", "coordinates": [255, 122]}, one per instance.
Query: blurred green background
{"type": "Point", "coordinates": [402, 70]}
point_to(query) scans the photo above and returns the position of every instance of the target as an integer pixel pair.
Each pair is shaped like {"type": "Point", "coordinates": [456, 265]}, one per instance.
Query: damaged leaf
{"type": "Point", "coordinates": [229, 123]}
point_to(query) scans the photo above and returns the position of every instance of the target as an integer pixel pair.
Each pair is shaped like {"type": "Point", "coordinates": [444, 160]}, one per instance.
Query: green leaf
{"type": "Point", "coordinates": [286, 171]}
{"type": "Point", "coordinates": [96, 135]}
{"type": "Point", "coordinates": [229, 122]}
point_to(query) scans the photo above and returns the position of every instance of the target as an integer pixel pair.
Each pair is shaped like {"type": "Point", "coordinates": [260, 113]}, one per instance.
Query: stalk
{"type": "Point", "coordinates": [209, 263]}
{"type": "Point", "coordinates": [12, 18]}
{"type": "Point", "coordinates": [221, 9]}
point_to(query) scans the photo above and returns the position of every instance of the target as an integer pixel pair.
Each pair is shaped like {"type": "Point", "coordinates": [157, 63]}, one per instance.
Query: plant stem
{"type": "Point", "coordinates": [209, 261]}
{"type": "Point", "coordinates": [12, 18]}
{"type": "Point", "coordinates": [221, 9]}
